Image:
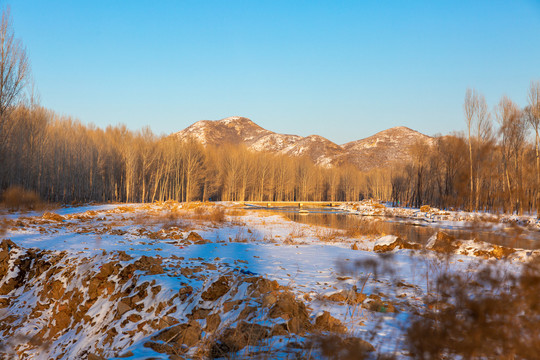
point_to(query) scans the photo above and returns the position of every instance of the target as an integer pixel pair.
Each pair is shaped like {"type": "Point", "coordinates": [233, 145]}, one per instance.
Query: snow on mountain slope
{"type": "Point", "coordinates": [384, 148]}
{"type": "Point", "coordinates": [231, 130]}
{"type": "Point", "coordinates": [379, 150]}
{"type": "Point", "coordinates": [322, 151]}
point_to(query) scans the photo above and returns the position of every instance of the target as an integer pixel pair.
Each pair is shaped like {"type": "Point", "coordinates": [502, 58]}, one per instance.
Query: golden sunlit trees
{"type": "Point", "coordinates": [14, 75]}
{"type": "Point", "coordinates": [512, 132]}
{"type": "Point", "coordinates": [533, 119]}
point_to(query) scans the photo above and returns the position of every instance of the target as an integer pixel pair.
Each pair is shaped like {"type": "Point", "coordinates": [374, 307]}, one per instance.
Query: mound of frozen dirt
{"type": "Point", "coordinates": [62, 306]}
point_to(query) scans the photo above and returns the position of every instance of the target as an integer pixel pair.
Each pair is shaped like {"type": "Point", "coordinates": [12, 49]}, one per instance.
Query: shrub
{"type": "Point", "coordinates": [491, 315]}
{"type": "Point", "coordinates": [18, 198]}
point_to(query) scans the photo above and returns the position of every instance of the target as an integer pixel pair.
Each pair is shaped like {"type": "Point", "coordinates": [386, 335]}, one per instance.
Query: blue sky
{"type": "Point", "coordinates": [340, 69]}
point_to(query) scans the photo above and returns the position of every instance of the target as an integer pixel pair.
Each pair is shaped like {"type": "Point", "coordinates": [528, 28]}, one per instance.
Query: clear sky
{"type": "Point", "coordinates": [340, 69]}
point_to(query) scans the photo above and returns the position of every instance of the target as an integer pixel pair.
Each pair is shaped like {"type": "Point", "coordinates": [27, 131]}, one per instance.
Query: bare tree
{"type": "Point", "coordinates": [14, 66]}
{"type": "Point", "coordinates": [533, 119]}
{"type": "Point", "coordinates": [513, 135]}
{"type": "Point", "coordinates": [484, 134]}
{"type": "Point", "coordinates": [14, 72]}
{"type": "Point", "coordinates": [470, 106]}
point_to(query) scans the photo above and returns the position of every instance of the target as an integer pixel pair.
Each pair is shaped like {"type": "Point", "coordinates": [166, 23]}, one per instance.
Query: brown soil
{"type": "Point", "coordinates": [397, 244]}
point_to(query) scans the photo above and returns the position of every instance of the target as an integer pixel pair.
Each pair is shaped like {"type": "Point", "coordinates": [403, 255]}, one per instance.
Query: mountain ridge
{"type": "Point", "coordinates": [377, 151]}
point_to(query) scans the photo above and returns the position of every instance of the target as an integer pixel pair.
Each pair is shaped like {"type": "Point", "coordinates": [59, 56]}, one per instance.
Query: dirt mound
{"type": "Point", "coordinates": [444, 243]}
{"type": "Point", "coordinates": [5, 247]}
{"type": "Point", "coordinates": [217, 289]}
{"type": "Point", "coordinates": [326, 322]}
{"type": "Point", "coordinates": [177, 339]}
{"type": "Point", "coordinates": [338, 347]}
{"type": "Point", "coordinates": [261, 285]}
{"type": "Point", "coordinates": [193, 236]}
{"type": "Point", "coordinates": [233, 340]}
{"type": "Point", "coordinates": [375, 303]}
{"type": "Point", "coordinates": [70, 301]}
{"type": "Point", "coordinates": [389, 243]}
{"type": "Point", "coordinates": [293, 311]}
{"type": "Point", "coordinates": [53, 217]}
{"type": "Point", "coordinates": [500, 252]}
{"type": "Point", "coordinates": [149, 264]}
{"type": "Point", "coordinates": [348, 296]}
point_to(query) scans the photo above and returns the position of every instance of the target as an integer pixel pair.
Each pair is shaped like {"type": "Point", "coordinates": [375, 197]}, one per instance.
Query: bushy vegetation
{"type": "Point", "coordinates": [494, 167]}
{"type": "Point", "coordinates": [17, 198]}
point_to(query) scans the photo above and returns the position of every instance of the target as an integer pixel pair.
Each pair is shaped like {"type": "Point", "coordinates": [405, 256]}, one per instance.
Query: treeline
{"type": "Point", "coordinates": [65, 161]}
{"type": "Point", "coordinates": [494, 167]}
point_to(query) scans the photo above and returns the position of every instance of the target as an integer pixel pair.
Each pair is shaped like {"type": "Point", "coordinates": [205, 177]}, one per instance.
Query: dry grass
{"type": "Point", "coordinates": [214, 214]}
{"type": "Point", "coordinates": [485, 313]}
{"type": "Point", "coordinates": [18, 198]}
{"type": "Point", "coordinates": [297, 231]}
{"type": "Point", "coordinates": [364, 228]}
{"type": "Point", "coordinates": [237, 212]}
{"type": "Point", "coordinates": [489, 315]}
{"type": "Point", "coordinates": [3, 226]}
{"type": "Point", "coordinates": [327, 234]}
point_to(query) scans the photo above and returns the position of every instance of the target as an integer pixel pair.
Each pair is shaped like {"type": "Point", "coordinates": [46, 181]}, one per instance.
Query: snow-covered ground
{"type": "Point", "coordinates": [169, 279]}
{"type": "Point", "coordinates": [434, 215]}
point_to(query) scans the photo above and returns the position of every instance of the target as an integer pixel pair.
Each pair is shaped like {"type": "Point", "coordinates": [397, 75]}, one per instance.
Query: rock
{"type": "Point", "coordinates": [443, 243]}
{"type": "Point", "coordinates": [5, 248]}
{"type": "Point", "coordinates": [288, 308]}
{"type": "Point", "coordinates": [327, 322]}
{"type": "Point", "coordinates": [198, 313]}
{"type": "Point", "coordinates": [269, 299]}
{"type": "Point", "coordinates": [122, 256]}
{"type": "Point", "coordinates": [55, 290]}
{"type": "Point", "coordinates": [184, 334]}
{"type": "Point", "coordinates": [134, 317]}
{"type": "Point", "coordinates": [280, 330]}
{"type": "Point", "coordinates": [149, 264]}
{"type": "Point", "coordinates": [53, 217]}
{"type": "Point", "coordinates": [126, 355]}
{"type": "Point", "coordinates": [212, 322]}
{"type": "Point", "coordinates": [246, 312]}
{"type": "Point", "coordinates": [176, 340]}
{"type": "Point", "coordinates": [193, 236]}
{"type": "Point", "coordinates": [375, 303]}
{"type": "Point", "coordinates": [230, 305]}
{"type": "Point", "coordinates": [348, 296]}
{"type": "Point", "coordinates": [216, 290]}
{"type": "Point", "coordinates": [185, 292]}
{"type": "Point", "coordinates": [123, 308]}
{"type": "Point", "coordinates": [92, 356]}
{"type": "Point", "coordinates": [391, 242]}
{"type": "Point", "coordinates": [260, 285]}
{"type": "Point", "coordinates": [164, 322]}
{"type": "Point", "coordinates": [337, 297]}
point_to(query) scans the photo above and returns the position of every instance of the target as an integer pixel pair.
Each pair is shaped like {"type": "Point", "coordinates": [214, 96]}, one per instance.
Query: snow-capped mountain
{"type": "Point", "coordinates": [379, 150]}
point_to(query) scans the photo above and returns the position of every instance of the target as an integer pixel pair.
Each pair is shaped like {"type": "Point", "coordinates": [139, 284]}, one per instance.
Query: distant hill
{"type": "Point", "coordinates": [384, 148]}
{"type": "Point", "coordinates": [377, 151]}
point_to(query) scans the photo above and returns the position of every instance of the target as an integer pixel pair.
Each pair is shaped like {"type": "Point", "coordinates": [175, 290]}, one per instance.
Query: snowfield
{"type": "Point", "coordinates": [172, 281]}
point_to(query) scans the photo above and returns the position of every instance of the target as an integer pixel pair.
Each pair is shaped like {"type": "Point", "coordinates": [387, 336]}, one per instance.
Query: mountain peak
{"type": "Point", "coordinates": [379, 150]}
{"type": "Point", "coordinates": [236, 120]}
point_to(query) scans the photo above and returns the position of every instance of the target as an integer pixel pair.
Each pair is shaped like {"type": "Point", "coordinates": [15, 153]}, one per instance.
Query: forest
{"type": "Point", "coordinates": [495, 166]}
{"type": "Point", "coordinates": [63, 160]}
